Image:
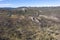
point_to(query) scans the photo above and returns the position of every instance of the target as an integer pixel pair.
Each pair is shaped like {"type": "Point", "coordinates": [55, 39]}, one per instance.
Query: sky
{"type": "Point", "coordinates": [29, 3]}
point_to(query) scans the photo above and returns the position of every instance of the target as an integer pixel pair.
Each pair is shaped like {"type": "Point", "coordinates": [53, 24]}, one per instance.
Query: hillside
{"type": "Point", "coordinates": [30, 23]}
